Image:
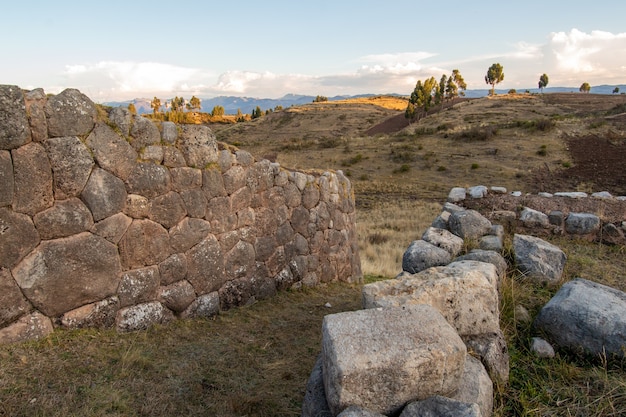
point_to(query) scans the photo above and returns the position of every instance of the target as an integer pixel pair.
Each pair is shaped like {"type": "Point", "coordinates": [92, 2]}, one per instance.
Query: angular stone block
{"type": "Point", "coordinates": [71, 165]}
{"type": "Point", "coordinates": [112, 152]}
{"type": "Point", "coordinates": [18, 237]}
{"type": "Point", "coordinates": [421, 255]}
{"type": "Point", "coordinates": [167, 209]}
{"type": "Point", "coordinates": [121, 118]}
{"type": "Point", "coordinates": [149, 180]}
{"type": "Point", "coordinates": [64, 218]}
{"type": "Point", "coordinates": [538, 259]}
{"type": "Point", "coordinates": [178, 296]}
{"type": "Point", "coordinates": [443, 239]}
{"type": "Point", "coordinates": [476, 386]}
{"type": "Point", "coordinates": [440, 406]}
{"type": "Point", "coordinates": [30, 327]}
{"type": "Point", "coordinates": [15, 130]}
{"type": "Point", "coordinates": [206, 305]}
{"type": "Point", "coordinates": [141, 316]}
{"type": "Point", "coordinates": [35, 108]}
{"type": "Point", "coordinates": [139, 286]}
{"type": "Point", "coordinates": [98, 314]}
{"type": "Point", "coordinates": [582, 223]}
{"type": "Point", "coordinates": [144, 243]}
{"type": "Point", "coordinates": [188, 233]}
{"type": "Point", "coordinates": [104, 194]}
{"type": "Point", "coordinates": [12, 301]}
{"type": "Point", "coordinates": [143, 133]}
{"type": "Point", "coordinates": [534, 218]}
{"type": "Point", "coordinates": [113, 228]}
{"type": "Point", "coordinates": [469, 224]}
{"type": "Point", "coordinates": [33, 179]}
{"type": "Point", "coordinates": [70, 113]}
{"type": "Point", "coordinates": [7, 185]}
{"type": "Point", "coordinates": [361, 367]}
{"type": "Point", "coordinates": [198, 145]}
{"type": "Point", "coordinates": [173, 269]}
{"type": "Point", "coordinates": [205, 266]}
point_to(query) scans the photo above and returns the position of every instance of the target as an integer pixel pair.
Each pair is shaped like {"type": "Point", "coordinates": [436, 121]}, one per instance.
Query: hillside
{"type": "Point", "coordinates": [523, 142]}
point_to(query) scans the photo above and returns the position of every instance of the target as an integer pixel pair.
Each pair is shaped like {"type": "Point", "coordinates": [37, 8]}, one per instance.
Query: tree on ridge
{"type": "Point", "coordinates": [543, 82]}
{"type": "Point", "coordinates": [495, 75]}
{"type": "Point", "coordinates": [585, 88]}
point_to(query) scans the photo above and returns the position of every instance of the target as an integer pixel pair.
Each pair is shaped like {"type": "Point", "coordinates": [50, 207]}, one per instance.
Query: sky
{"type": "Point", "coordinates": [119, 50]}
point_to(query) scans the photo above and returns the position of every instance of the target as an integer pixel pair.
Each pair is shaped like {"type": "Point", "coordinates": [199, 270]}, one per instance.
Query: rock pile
{"type": "Point", "coordinates": [109, 219]}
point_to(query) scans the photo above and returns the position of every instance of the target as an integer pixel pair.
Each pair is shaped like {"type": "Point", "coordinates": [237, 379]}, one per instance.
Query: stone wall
{"type": "Point", "coordinates": [109, 219]}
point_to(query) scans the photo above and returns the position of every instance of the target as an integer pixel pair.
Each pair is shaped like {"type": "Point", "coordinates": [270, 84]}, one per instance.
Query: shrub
{"type": "Point", "coordinates": [543, 150]}
{"type": "Point", "coordinates": [544, 125]}
{"type": "Point", "coordinates": [377, 238]}
{"type": "Point", "coordinates": [567, 164]}
{"type": "Point", "coordinates": [474, 166]}
{"type": "Point", "coordinates": [403, 168]}
{"type": "Point", "coordinates": [477, 133]}
{"type": "Point", "coordinates": [441, 168]}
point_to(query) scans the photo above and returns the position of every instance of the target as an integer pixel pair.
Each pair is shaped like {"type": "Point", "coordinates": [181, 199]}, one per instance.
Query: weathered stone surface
{"type": "Point", "coordinates": [143, 133]}
{"type": "Point", "coordinates": [62, 274]}
{"type": "Point", "coordinates": [490, 243]}
{"type": "Point", "coordinates": [167, 209]}
{"type": "Point", "coordinates": [541, 348]}
{"type": "Point", "coordinates": [421, 255]}
{"type": "Point", "coordinates": [138, 286]}
{"type": "Point", "coordinates": [498, 190]}
{"type": "Point", "coordinates": [113, 228]}
{"type": "Point", "coordinates": [456, 194]}
{"type": "Point", "coordinates": [144, 243]}
{"type": "Point", "coordinates": [463, 293]}
{"type": "Point", "coordinates": [15, 130]}
{"type": "Point", "coordinates": [603, 195]}
{"type": "Point", "coordinates": [33, 179]}
{"type": "Point", "coordinates": [7, 185]}
{"type": "Point", "coordinates": [169, 132]}
{"type": "Point", "coordinates": [149, 180]}
{"type": "Point", "coordinates": [18, 237]}
{"type": "Point", "coordinates": [234, 179]}
{"type": "Point", "coordinates": [186, 178]}
{"type": "Point", "coordinates": [198, 145]}
{"type": "Point", "coordinates": [612, 234]}
{"type": "Point", "coordinates": [293, 197]}
{"type": "Point", "coordinates": [188, 233]}
{"type": "Point", "coordinates": [575, 194]}
{"type": "Point", "coordinates": [244, 291]}
{"type": "Point", "coordinates": [173, 269]}
{"type": "Point", "coordinates": [438, 406]}
{"type": "Point", "coordinates": [478, 191]}
{"type": "Point", "coordinates": [533, 218]}
{"type": "Point", "coordinates": [239, 261]}
{"type": "Point", "coordinates": [71, 165]}
{"type": "Point", "coordinates": [354, 411]}
{"type": "Point", "coordinates": [195, 203]}
{"type": "Point", "coordinates": [35, 101]}
{"type": "Point", "coordinates": [443, 239]}
{"type": "Point", "coordinates": [205, 266]}
{"type": "Point", "coordinates": [586, 317]}
{"type": "Point", "coordinates": [64, 218]}
{"type": "Point", "coordinates": [178, 296]}
{"type": "Point", "coordinates": [104, 194]}
{"type": "Point", "coordinates": [14, 304]}
{"type": "Point", "coordinates": [121, 118]}
{"type": "Point", "coordinates": [314, 403]}
{"type": "Point", "coordinates": [213, 183]}
{"type": "Point", "coordinates": [538, 259]}
{"type": "Point", "coordinates": [469, 224]}
{"type": "Point", "coordinates": [137, 206]}
{"type": "Point", "coordinates": [173, 158]}
{"type": "Point", "coordinates": [98, 314]}
{"type": "Point", "coordinates": [260, 176]}
{"type": "Point", "coordinates": [70, 113]}
{"type": "Point", "coordinates": [493, 353]}
{"type": "Point", "coordinates": [244, 158]}
{"type": "Point", "coordinates": [152, 153]}
{"type": "Point", "coordinates": [206, 305]}
{"type": "Point", "coordinates": [112, 152]}
{"type": "Point", "coordinates": [582, 223]}
{"type": "Point", "coordinates": [361, 367]}
{"type": "Point", "coordinates": [476, 386]}
{"type": "Point", "coordinates": [486, 256]}
{"type": "Point", "coordinates": [556, 217]}
{"type": "Point", "coordinates": [141, 316]}
{"type": "Point", "coordinates": [29, 327]}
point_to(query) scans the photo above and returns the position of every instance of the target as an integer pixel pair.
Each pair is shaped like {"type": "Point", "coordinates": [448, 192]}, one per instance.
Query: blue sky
{"type": "Point", "coordinates": [125, 49]}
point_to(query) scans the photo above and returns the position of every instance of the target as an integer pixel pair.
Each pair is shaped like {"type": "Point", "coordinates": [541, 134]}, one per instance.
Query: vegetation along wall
{"type": "Point", "coordinates": [108, 219]}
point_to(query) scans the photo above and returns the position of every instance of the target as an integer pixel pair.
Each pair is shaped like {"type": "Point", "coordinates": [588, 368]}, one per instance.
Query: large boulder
{"type": "Point", "coordinates": [379, 359]}
{"type": "Point", "coordinates": [71, 165]}
{"type": "Point", "coordinates": [421, 255]}
{"type": "Point", "coordinates": [141, 316]}
{"type": "Point", "coordinates": [486, 256]}
{"type": "Point", "coordinates": [463, 293]}
{"type": "Point", "coordinates": [469, 224]}
{"type": "Point", "coordinates": [582, 223]}
{"type": "Point", "coordinates": [144, 133]}
{"type": "Point", "coordinates": [70, 113]}
{"type": "Point", "coordinates": [198, 145]}
{"type": "Point", "coordinates": [15, 131]}
{"type": "Point", "coordinates": [98, 314]}
{"type": "Point", "coordinates": [64, 218]}
{"type": "Point", "coordinates": [476, 386]}
{"type": "Point", "coordinates": [35, 108]}
{"type": "Point", "coordinates": [33, 179]}
{"type": "Point", "coordinates": [538, 259]}
{"type": "Point", "coordinates": [62, 274]}
{"type": "Point", "coordinates": [533, 218]}
{"type": "Point", "coordinates": [586, 317]}
{"type": "Point", "coordinates": [457, 194]}
{"type": "Point", "coordinates": [144, 243]}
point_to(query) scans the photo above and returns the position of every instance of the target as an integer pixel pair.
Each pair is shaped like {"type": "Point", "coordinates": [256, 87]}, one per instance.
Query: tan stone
{"type": "Point", "coordinates": [144, 243]}
{"type": "Point", "coordinates": [70, 113]}
{"type": "Point", "coordinates": [139, 286]}
{"type": "Point", "coordinates": [112, 152]}
{"type": "Point", "coordinates": [71, 165]}
{"type": "Point", "coordinates": [13, 302]}
{"type": "Point", "coordinates": [167, 209]}
{"type": "Point", "coordinates": [18, 237]}
{"type": "Point", "coordinates": [30, 327]}
{"type": "Point", "coordinates": [98, 314]}
{"type": "Point", "coordinates": [33, 179]}
{"type": "Point", "coordinates": [64, 218]}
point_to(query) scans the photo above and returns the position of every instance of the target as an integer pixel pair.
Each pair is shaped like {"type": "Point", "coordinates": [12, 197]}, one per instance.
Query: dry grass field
{"type": "Point", "coordinates": [254, 361]}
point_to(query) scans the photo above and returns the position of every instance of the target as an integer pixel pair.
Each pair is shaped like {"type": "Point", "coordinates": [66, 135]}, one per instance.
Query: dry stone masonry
{"type": "Point", "coordinates": [109, 219]}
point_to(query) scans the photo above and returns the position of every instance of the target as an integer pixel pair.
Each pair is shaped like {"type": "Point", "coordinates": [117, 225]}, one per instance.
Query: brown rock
{"type": "Point", "coordinates": [15, 131]}
{"type": "Point", "coordinates": [18, 237]}
{"type": "Point", "coordinates": [144, 243]}
{"type": "Point", "coordinates": [112, 152]}
{"type": "Point", "coordinates": [293, 197]}
{"type": "Point", "coordinates": [300, 220]}
{"type": "Point", "coordinates": [234, 179]}
{"type": "Point", "coordinates": [152, 153]}
{"type": "Point", "coordinates": [7, 186]}
{"type": "Point", "coordinates": [241, 199]}
{"type": "Point", "coordinates": [239, 261]}
{"type": "Point", "coordinates": [35, 101]}
{"type": "Point", "coordinates": [98, 314]}
{"type": "Point", "coordinates": [62, 274]}
{"type": "Point", "coordinates": [137, 206]}
{"type": "Point", "coordinates": [173, 158]}
{"type": "Point", "coordinates": [310, 196]}
{"type": "Point", "coordinates": [226, 160]}
{"type": "Point", "coordinates": [205, 266]}
{"type": "Point", "coordinates": [113, 228]}
{"type": "Point", "coordinates": [139, 286]}
{"type": "Point", "coordinates": [228, 240]}
{"type": "Point", "coordinates": [213, 183]}
{"type": "Point", "coordinates": [264, 247]}
{"type": "Point", "coordinates": [143, 133]}
{"type": "Point", "coordinates": [33, 179]}
{"type": "Point", "coordinates": [188, 233]}
{"type": "Point", "coordinates": [173, 269]}
{"type": "Point", "coordinates": [13, 302]}
{"type": "Point", "coordinates": [149, 180]}
{"type": "Point", "coordinates": [30, 327]}
{"type": "Point", "coordinates": [64, 218]}
{"type": "Point", "coordinates": [167, 209]}
{"type": "Point", "coordinates": [70, 113]}
{"type": "Point", "coordinates": [104, 194]}
{"type": "Point", "coordinates": [186, 178]}
{"type": "Point", "coordinates": [177, 297]}
{"type": "Point", "coordinates": [71, 165]}
{"type": "Point", "coordinates": [195, 203]}
{"type": "Point", "coordinates": [260, 176]}
{"type": "Point", "coordinates": [266, 222]}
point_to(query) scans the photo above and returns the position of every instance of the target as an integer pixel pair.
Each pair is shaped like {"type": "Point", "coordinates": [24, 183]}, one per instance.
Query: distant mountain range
{"type": "Point", "coordinates": [246, 104]}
